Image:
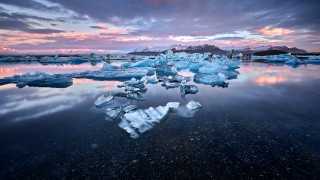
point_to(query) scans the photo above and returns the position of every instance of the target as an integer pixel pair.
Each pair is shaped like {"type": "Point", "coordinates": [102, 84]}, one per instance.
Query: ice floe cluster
{"type": "Point", "coordinates": [289, 59]}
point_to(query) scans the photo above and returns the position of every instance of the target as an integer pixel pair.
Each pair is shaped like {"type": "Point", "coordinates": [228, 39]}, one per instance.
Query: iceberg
{"type": "Point", "coordinates": [219, 79]}
{"type": "Point", "coordinates": [114, 74]}
{"type": "Point", "coordinates": [295, 61]}
{"type": "Point", "coordinates": [231, 74]}
{"type": "Point", "coordinates": [165, 70]}
{"type": "Point", "coordinates": [211, 68]}
{"type": "Point", "coordinates": [55, 59]}
{"type": "Point", "coordinates": [192, 105]}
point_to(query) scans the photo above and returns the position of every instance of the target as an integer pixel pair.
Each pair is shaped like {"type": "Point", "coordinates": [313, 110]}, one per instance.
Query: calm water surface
{"type": "Point", "coordinates": [265, 124]}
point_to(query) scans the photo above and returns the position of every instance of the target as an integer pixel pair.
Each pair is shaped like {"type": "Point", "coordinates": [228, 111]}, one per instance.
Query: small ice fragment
{"type": "Point", "coordinates": [173, 105]}
{"type": "Point", "coordinates": [102, 100]}
{"type": "Point", "coordinates": [188, 89]}
{"type": "Point", "coordinates": [193, 105]}
{"type": "Point", "coordinates": [113, 112]}
{"type": "Point", "coordinates": [129, 108]}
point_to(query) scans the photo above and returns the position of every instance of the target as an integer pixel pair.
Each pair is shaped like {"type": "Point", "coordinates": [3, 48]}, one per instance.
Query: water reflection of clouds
{"type": "Point", "coordinates": [8, 70]}
{"type": "Point", "coordinates": [44, 101]}
{"type": "Point", "coordinates": [264, 74]}
{"type": "Point", "coordinates": [261, 80]}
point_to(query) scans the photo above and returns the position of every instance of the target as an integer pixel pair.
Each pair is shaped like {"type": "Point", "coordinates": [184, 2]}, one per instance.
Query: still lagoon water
{"type": "Point", "coordinates": [265, 124]}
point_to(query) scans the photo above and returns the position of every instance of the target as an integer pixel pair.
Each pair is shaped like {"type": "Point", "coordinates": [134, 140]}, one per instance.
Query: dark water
{"type": "Point", "coordinates": [265, 124]}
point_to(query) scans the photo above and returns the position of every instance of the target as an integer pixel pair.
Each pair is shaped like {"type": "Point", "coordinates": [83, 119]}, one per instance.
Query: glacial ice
{"type": "Point", "coordinates": [113, 112]}
{"type": "Point", "coordinates": [139, 121]}
{"type": "Point", "coordinates": [129, 107]}
{"type": "Point", "coordinates": [192, 105]}
{"type": "Point", "coordinates": [219, 79]}
{"type": "Point", "coordinates": [103, 100]}
{"type": "Point", "coordinates": [188, 89]}
{"type": "Point", "coordinates": [173, 105]}
{"type": "Point", "coordinates": [55, 59]}
{"type": "Point", "coordinates": [295, 61]}
{"type": "Point", "coordinates": [39, 79]}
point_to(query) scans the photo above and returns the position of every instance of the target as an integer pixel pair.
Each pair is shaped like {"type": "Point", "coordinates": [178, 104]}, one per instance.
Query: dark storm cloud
{"type": "Point", "coordinates": [31, 4]}
{"type": "Point", "coordinates": [181, 17]}
{"type": "Point", "coordinates": [16, 21]}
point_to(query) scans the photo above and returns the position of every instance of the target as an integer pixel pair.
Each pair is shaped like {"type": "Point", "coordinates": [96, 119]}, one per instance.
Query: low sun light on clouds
{"type": "Point", "coordinates": [126, 25]}
{"type": "Point", "coordinates": [267, 31]}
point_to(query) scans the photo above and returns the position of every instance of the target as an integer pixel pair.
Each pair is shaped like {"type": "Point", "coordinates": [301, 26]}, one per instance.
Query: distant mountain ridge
{"type": "Point", "coordinates": [214, 49]}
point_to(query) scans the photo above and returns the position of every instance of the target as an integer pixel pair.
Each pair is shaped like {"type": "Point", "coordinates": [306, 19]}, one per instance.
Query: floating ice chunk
{"type": "Point", "coordinates": [173, 105]}
{"type": "Point", "coordinates": [143, 120]}
{"type": "Point", "coordinates": [80, 59]}
{"type": "Point", "coordinates": [295, 61]}
{"type": "Point", "coordinates": [211, 68]}
{"type": "Point", "coordinates": [182, 65]}
{"type": "Point", "coordinates": [188, 89]}
{"type": "Point", "coordinates": [103, 100]}
{"type": "Point", "coordinates": [196, 66]}
{"type": "Point", "coordinates": [219, 79]}
{"type": "Point", "coordinates": [118, 74]}
{"type": "Point", "coordinates": [152, 80]}
{"type": "Point", "coordinates": [39, 79]}
{"type": "Point", "coordinates": [138, 120]}
{"type": "Point", "coordinates": [193, 105]}
{"type": "Point", "coordinates": [113, 112]}
{"type": "Point", "coordinates": [130, 95]}
{"type": "Point", "coordinates": [108, 67]}
{"type": "Point", "coordinates": [233, 64]}
{"type": "Point", "coordinates": [55, 59]}
{"type": "Point", "coordinates": [128, 108]}
{"type": "Point", "coordinates": [171, 85]}
{"type": "Point", "coordinates": [165, 70]}
{"type": "Point", "coordinates": [230, 74]}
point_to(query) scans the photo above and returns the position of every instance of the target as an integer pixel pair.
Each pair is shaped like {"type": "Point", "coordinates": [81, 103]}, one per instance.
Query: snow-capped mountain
{"type": "Point", "coordinates": [214, 49]}
{"type": "Point", "coordinates": [180, 48]}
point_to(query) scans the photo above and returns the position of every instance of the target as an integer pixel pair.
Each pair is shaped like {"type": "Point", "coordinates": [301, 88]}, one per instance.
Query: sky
{"type": "Point", "coordinates": [119, 26]}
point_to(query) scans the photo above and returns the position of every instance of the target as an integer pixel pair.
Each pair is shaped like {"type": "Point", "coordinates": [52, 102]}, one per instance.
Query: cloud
{"type": "Point", "coordinates": [31, 4]}
{"type": "Point", "coordinates": [99, 26]}
{"type": "Point", "coordinates": [229, 38]}
{"type": "Point", "coordinates": [19, 22]}
{"type": "Point", "coordinates": [267, 31]}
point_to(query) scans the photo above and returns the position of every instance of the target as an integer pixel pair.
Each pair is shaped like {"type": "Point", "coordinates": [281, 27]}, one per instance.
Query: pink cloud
{"type": "Point", "coordinates": [6, 49]}
{"type": "Point", "coordinates": [267, 31]}
{"type": "Point", "coordinates": [99, 26]}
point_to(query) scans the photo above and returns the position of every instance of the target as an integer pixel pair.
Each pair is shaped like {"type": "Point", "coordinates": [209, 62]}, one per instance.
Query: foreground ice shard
{"type": "Point", "coordinates": [142, 120]}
